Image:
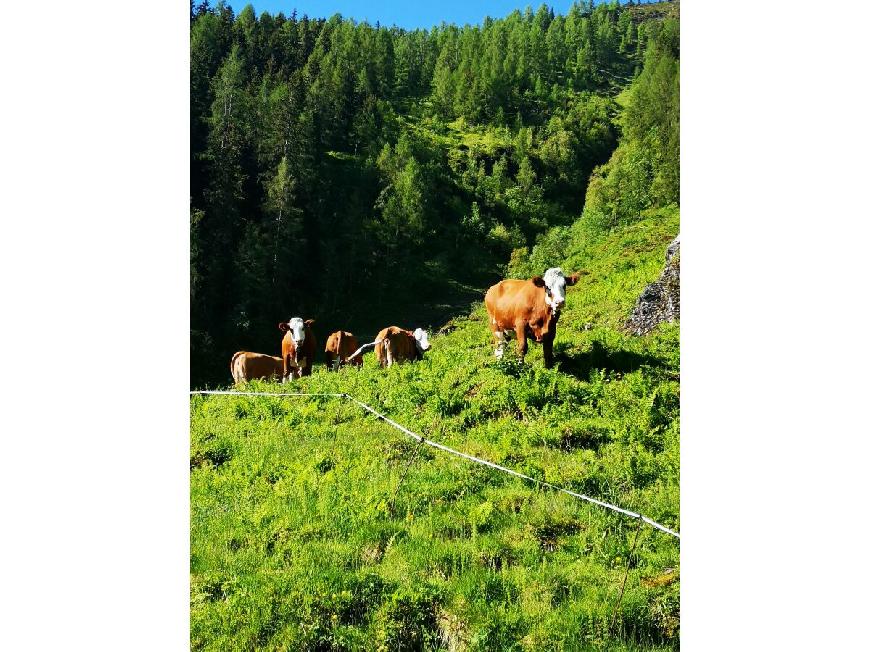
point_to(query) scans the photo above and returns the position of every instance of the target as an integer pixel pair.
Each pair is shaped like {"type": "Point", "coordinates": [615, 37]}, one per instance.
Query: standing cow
{"type": "Point", "coordinates": [530, 308]}
{"type": "Point", "coordinates": [297, 348]}
{"type": "Point", "coordinates": [245, 366]}
{"type": "Point", "coordinates": [339, 346]}
{"type": "Point", "coordinates": [394, 344]}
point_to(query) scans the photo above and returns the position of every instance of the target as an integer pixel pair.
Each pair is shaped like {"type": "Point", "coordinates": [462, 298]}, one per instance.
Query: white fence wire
{"type": "Point", "coordinates": [452, 451]}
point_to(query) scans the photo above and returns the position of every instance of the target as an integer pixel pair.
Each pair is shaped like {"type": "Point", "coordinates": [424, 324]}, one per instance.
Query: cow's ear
{"type": "Point", "coordinates": [282, 326]}
{"type": "Point", "coordinates": [571, 280]}
{"type": "Point", "coordinates": [538, 281]}
{"type": "Point", "coordinates": [308, 322]}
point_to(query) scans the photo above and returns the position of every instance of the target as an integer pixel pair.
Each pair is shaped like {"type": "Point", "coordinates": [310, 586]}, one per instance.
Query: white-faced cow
{"type": "Point", "coordinates": [529, 308]}
{"type": "Point", "coordinates": [245, 366]}
{"type": "Point", "coordinates": [394, 344]}
{"type": "Point", "coordinates": [297, 348]}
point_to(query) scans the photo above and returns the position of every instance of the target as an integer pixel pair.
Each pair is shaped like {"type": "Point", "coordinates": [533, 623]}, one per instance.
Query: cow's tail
{"type": "Point", "coordinates": [234, 372]}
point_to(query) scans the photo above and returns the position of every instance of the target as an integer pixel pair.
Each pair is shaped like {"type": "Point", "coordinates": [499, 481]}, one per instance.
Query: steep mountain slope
{"type": "Point", "coordinates": [316, 526]}
{"type": "Point", "coordinates": [331, 159]}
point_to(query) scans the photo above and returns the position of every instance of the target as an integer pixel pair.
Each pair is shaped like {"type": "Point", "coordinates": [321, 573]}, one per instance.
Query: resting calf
{"type": "Point", "coordinates": [245, 366]}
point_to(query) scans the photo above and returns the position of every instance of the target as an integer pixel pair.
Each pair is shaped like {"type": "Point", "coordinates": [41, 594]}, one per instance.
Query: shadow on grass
{"type": "Point", "coordinates": [602, 358]}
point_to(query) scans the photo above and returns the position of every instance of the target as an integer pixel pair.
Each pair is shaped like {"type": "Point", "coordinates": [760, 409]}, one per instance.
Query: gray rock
{"type": "Point", "coordinates": [660, 300]}
{"type": "Point", "coordinates": [673, 248]}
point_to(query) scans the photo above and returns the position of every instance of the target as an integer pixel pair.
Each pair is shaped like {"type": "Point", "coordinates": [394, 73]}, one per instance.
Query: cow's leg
{"type": "Point", "coordinates": [499, 344]}
{"type": "Point", "coordinates": [522, 344]}
{"type": "Point", "coordinates": [388, 350]}
{"type": "Point", "coordinates": [548, 350]}
{"type": "Point", "coordinates": [498, 334]}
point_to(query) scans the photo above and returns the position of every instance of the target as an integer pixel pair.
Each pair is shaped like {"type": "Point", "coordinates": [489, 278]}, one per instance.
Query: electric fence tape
{"type": "Point", "coordinates": [452, 451]}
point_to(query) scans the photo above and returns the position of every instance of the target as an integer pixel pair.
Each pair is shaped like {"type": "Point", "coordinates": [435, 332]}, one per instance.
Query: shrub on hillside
{"type": "Point", "coordinates": [408, 620]}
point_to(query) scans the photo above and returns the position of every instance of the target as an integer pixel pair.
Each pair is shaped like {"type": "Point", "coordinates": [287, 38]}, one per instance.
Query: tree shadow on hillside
{"type": "Point", "coordinates": [599, 357]}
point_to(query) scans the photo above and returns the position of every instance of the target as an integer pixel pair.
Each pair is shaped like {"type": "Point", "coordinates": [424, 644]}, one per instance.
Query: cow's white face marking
{"type": "Point", "coordinates": [422, 339]}
{"type": "Point", "coordinates": [296, 328]}
{"type": "Point", "coordinates": [554, 279]}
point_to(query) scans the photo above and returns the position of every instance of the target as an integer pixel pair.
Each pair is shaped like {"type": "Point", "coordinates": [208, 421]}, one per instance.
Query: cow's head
{"type": "Point", "coordinates": [421, 338]}
{"type": "Point", "coordinates": [554, 283]}
{"type": "Point", "coordinates": [296, 328]}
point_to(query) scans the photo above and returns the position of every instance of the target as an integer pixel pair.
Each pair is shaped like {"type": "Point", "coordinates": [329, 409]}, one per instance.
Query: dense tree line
{"type": "Point", "coordinates": [644, 171]}
{"type": "Point", "coordinates": [330, 158]}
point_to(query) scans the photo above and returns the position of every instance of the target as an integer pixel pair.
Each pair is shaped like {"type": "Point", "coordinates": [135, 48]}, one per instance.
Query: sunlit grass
{"type": "Point", "coordinates": [303, 536]}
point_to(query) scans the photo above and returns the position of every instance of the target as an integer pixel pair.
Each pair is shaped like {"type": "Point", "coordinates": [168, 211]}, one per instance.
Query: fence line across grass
{"type": "Point", "coordinates": [447, 449]}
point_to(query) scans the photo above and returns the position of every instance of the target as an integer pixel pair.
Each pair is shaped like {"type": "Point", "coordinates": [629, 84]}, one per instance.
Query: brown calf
{"type": "Point", "coordinates": [245, 366]}
{"type": "Point", "coordinates": [339, 346]}
{"type": "Point", "coordinates": [394, 344]}
{"type": "Point", "coordinates": [529, 308]}
{"type": "Point", "coordinates": [297, 348]}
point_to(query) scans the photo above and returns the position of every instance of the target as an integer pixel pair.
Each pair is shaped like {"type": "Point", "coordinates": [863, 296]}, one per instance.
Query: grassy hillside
{"type": "Point", "coordinates": [315, 526]}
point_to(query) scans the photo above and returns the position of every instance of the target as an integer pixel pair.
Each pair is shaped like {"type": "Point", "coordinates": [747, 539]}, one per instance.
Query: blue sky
{"type": "Point", "coordinates": [406, 13]}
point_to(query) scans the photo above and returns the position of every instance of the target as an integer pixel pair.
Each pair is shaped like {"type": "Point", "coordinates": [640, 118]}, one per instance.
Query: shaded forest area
{"type": "Point", "coordinates": [364, 175]}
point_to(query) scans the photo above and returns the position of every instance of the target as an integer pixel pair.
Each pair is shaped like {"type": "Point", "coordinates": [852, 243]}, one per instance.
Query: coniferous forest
{"type": "Point", "coordinates": [365, 176]}
{"type": "Point", "coordinates": [341, 170]}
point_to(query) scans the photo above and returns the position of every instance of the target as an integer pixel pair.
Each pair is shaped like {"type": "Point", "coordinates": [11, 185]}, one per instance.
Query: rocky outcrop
{"type": "Point", "coordinates": [660, 300]}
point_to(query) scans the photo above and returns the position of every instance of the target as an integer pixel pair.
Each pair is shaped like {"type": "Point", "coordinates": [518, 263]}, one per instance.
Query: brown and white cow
{"type": "Point", "coordinates": [339, 346]}
{"type": "Point", "coordinates": [529, 308]}
{"type": "Point", "coordinates": [394, 344]}
{"type": "Point", "coordinates": [297, 348]}
{"type": "Point", "coordinates": [245, 366]}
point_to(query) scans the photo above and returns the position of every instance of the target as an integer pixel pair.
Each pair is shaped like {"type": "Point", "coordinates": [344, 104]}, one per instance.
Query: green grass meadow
{"type": "Point", "coordinates": [315, 526]}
